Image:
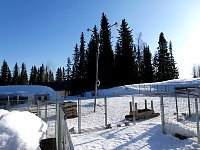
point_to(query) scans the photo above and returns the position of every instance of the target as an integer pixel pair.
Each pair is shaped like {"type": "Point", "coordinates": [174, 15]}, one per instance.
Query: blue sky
{"type": "Point", "coordinates": [36, 32]}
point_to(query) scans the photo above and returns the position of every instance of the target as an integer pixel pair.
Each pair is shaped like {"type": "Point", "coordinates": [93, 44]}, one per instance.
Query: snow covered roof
{"type": "Point", "coordinates": [29, 89]}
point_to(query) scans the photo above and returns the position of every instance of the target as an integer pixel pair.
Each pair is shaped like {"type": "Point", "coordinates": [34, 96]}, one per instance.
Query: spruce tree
{"type": "Point", "coordinates": [82, 58]}
{"type": "Point", "coordinates": [118, 65]}
{"type": "Point", "coordinates": [138, 48]}
{"type": "Point", "coordinates": [91, 59]}
{"type": "Point", "coordinates": [68, 75]}
{"type": "Point", "coordinates": [23, 75]}
{"type": "Point", "coordinates": [174, 73]}
{"type": "Point", "coordinates": [75, 69]}
{"type": "Point", "coordinates": [69, 70]}
{"type": "Point", "coordinates": [91, 55]}
{"type": "Point", "coordinates": [82, 65]}
{"type": "Point", "coordinates": [16, 76]}
{"type": "Point", "coordinates": [5, 74]}
{"type": "Point", "coordinates": [40, 75]}
{"type": "Point", "coordinates": [106, 55]}
{"type": "Point", "coordinates": [33, 75]}
{"type": "Point", "coordinates": [51, 76]}
{"type": "Point", "coordinates": [146, 66]}
{"type": "Point", "coordinates": [165, 65]}
{"type": "Point", "coordinates": [76, 63]}
{"type": "Point", "coordinates": [126, 68]}
{"type": "Point", "coordinates": [163, 59]}
{"type": "Point", "coordinates": [59, 75]}
{"type": "Point", "coordinates": [63, 74]}
{"type": "Point", "coordinates": [46, 74]}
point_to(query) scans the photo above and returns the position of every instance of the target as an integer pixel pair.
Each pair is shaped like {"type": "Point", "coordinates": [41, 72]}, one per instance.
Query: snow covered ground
{"type": "Point", "coordinates": [145, 134]}
{"type": "Point", "coordinates": [16, 127]}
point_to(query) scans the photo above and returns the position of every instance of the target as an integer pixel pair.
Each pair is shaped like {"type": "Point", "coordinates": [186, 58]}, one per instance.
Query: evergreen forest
{"type": "Point", "coordinates": [121, 63]}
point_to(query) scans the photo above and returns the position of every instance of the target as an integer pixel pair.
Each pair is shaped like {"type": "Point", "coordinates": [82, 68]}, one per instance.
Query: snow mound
{"type": "Point", "coordinates": [21, 130]}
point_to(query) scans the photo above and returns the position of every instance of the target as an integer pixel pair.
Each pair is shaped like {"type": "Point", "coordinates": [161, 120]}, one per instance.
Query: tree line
{"type": "Point", "coordinates": [20, 76]}
{"type": "Point", "coordinates": [129, 62]}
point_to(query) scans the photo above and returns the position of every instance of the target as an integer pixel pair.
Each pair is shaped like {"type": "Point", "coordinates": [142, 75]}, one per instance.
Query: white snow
{"type": "Point", "coordinates": [20, 130]}
{"type": "Point", "coordinates": [23, 130]}
{"type": "Point", "coordinates": [146, 134]}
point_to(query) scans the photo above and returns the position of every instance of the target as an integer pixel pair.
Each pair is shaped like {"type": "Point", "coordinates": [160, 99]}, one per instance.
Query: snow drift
{"type": "Point", "coordinates": [21, 130]}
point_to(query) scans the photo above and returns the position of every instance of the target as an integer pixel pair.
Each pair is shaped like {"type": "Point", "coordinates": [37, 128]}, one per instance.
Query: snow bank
{"type": "Point", "coordinates": [20, 130]}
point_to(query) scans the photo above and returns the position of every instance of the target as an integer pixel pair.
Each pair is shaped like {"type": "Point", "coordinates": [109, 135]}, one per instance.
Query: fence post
{"type": "Point", "coordinates": [152, 105]}
{"type": "Point", "coordinates": [176, 107]}
{"type": "Point", "coordinates": [106, 116]}
{"type": "Point", "coordinates": [131, 110]}
{"type": "Point", "coordinates": [136, 110]}
{"type": "Point", "coordinates": [197, 120]}
{"type": "Point", "coordinates": [79, 116]}
{"type": "Point", "coordinates": [133, 106]}
{"type": "Point", "coordinates": [28, 105]}
{"type": "Point", "coordinates": [46, 111]}
{"type": "Point", "coordinates": [37, 107]}
{"type": "Point", "coordinates": [162, 113]}
{"type": "Point", "coordinates": [145, 104]}
{"type": "Point", "coordinates": [57, 125]}
{"type": "Point", "coordinates": [17, 102]}
{"type": "Point", "coordinates": [189, 103]}
{"type": "Point", "coordinates": [8, 103]}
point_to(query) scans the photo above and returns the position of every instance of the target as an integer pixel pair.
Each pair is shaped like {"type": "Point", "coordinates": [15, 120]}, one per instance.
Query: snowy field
{"type": "Point", "coordinates": [23, 130]}
{"type": "Point", "coordinates": [145, 134]}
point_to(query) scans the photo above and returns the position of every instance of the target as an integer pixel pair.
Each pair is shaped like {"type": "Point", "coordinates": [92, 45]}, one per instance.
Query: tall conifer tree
{"type": "Point", "coordinates": [5, 74]}
{"type": "Point", "coordinates": [163, 60]}
{"type": "Point", "coordinates": [125, 56]}
{"type": "Point", "coordinates": [174, 73]}
{"type": "Point", "coordinates": [16, 76]}
{"type": "Point", "coordinates": [106, 55]}
{"type": "Point", "coordinates": [76, 58]}
{"type": "Point", "coordinates": [33, 75]}
{"type": "Point", "coordinates": [91, 59]}
{"type": "Point", "coordinates": [23, 75]}
{"type": "Point", "coordinates": [146, 66]}
{"type": "Point", "coordinates": [59, 75]}
{"type": "Point", "coordinates": [82, 64]}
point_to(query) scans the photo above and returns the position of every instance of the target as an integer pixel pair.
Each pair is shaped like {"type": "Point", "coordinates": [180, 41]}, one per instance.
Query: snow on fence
{"type": "Point", "coordinates": [180, 115]}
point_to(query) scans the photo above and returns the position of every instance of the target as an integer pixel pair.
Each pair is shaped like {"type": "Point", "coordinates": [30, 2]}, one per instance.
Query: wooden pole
{"type": "Point", "coordinates": [189, 109]}
{"type": "Point", "coordinates": [46, 111]}
{"type": "Point", "coordinates": [131, 111]}
{"type": "Point", "coordinates": [176, 107]}
{"type": "Point", "coordinates": [162, 113]}
{"type": "Point", "coordinates": [136, 108]}
{"type": "Point", "coordinates": [8, 102]}
{"type": "Point", "coordinates": [79, 116]}
{"type": "Point", "coordinates": [106, 116]}
{"type": "Point", "coordinates": [133, 103]}
{"type": "Point", "coordinates": [145, 103]}
{"type": "Point", "coordinates": [152, 105]}
{"type": "Point", "coordinates": [17, 101]}
{"type": "Point", "coordinates": [197, 120]}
